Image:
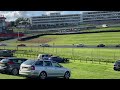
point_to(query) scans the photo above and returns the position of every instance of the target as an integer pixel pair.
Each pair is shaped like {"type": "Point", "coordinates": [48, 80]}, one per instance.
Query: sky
{"type": "Point", "coordinates": [13, 15]}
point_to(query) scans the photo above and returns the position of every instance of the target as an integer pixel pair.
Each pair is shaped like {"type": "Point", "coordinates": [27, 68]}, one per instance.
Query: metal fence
{"type": "Point", "coordinates": [92, 55]}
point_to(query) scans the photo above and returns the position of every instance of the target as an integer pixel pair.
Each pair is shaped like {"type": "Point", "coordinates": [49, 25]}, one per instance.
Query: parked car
{"type": "Point", "coordinates": [6, 53]}
{"type": "Point", "coordinates": [58, 59]}
{"type": "Point", "coordinates": [117, 45]}
{"type": "Point", "coordinates": [11, 65]}
{"type": "Point", "coordinates": [3, 58]}
{"type": "Point", "coordinates": [117, 66]}
{"type": "Point", "coordinates": [44, 56]}
{"type": "Point", "coordinates": [22, 45]}
{"type": "Point", "coordinates": [101, 45]}
{"type": "Point", "coordinates": [80, 45]}
{"type": "Point", "coordinates": [45, 45]}
{"type": "Point", "coordinates": [43, 69]}
{"type": "Point", "coordinates": [2, 44]}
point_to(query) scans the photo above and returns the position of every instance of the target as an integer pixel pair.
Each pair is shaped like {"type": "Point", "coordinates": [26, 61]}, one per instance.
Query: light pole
{"type": "Point", "coordinates": [53, 47]}
{"type": "Point", "coordinates": [18, 34]}
{"type": "Point", "coordinates": [73, 51]}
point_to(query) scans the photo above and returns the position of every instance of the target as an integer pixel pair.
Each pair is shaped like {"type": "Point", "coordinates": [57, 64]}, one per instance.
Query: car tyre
{"type": "Point", "coordinates": [67, 75]}
{"type": "Point", "coordinates": [15, 71]}
{"type": "Point", "coordinates": [43, 75]}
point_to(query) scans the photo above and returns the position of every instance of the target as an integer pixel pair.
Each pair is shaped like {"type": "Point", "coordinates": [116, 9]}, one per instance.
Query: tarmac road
{"type": "Point", "coordinates": [71, 46]}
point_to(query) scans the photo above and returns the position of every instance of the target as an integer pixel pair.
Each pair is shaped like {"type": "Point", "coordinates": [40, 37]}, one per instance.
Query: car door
{"type": "Point", "coordinates": [38, 67]}
{"type": "Point", "coordinates": [59, 70]}
{"type": "Point", "coordinates": [49, 68]}
{"type": "Point", "coordinates": [18, 62]}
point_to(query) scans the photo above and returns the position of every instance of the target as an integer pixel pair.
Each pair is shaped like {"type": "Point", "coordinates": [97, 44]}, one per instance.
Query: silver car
{"type": "Point", "coordinates": [43, 69]}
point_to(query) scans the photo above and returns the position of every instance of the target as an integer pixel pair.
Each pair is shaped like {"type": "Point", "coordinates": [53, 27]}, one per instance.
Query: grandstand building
{"type": "Point", "coordinates": [55, 20]}
{"type": "Point", "coordinates": [58, 22]}
{"type": "Point", "coordinates": [101, 17]}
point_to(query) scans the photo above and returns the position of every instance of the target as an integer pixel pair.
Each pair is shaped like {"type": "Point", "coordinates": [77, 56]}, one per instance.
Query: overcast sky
{"type": "Point", "coordinates": [13, 15]}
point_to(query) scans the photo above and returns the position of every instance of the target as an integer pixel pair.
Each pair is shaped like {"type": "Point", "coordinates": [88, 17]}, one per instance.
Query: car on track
{"type": "Point", "coordinates": [43, 69]}
{"type": "Point", "coordinates": [101, 45]}
{"type": "Point", "coordinates": [117, 45]}
{"type": "Point", "coordinates": [21, 45]}
{"type": "Point", "coordinates": [44, 45]}
{"type": "Point", "coordinates": [2, 44]}
{"type": "Point", "coordinates": [80, 45]}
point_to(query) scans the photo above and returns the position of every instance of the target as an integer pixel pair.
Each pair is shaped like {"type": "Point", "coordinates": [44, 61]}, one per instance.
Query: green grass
{"type": "Point", "coordinates": [108, 38]}
{"type": "Point", "coordinates": [6, 76]}
{"type": "Point", "coordinates": [83, 70]}
{"type": "Point", "coordinates": [92, 71]}
{"type": "Point", "coordinates": [87, 54]}
{"type": "Point", "coordinates": [80, 69]}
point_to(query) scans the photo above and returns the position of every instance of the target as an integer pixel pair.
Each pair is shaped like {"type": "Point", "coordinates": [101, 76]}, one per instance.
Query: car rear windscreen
{"type": "Point", "coordinates": [29, 62]}
{"type": "Point", "coordinates": [4, 60]}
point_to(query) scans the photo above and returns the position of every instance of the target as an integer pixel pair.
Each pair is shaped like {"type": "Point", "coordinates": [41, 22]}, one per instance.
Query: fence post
{"type": "Point", "coordinates": [86, 60]}
{"type": "Point", "coordinates": [56, 50]}
{"type": "Point", "coordinates": [114, 55]}
{"type": "Point", "coordinates": [43, 49]}
{"type": "Point", "coordinates": [92, 55]}
{"type": "Point", "coordinates": [99, 61]}
{"type": "Point", "coordinates": [106, 62]}
{"type": "Point", "coordinates": [53, 47]}
{"type": "Point", "coordinates": [80, 59]}
{"type": "Point", "coordinates": [73, 51]}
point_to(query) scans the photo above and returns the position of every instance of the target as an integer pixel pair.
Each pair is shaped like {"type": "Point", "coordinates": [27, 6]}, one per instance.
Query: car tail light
{"type": "Point", "coordinates": [10, 62]}
{"type": "Point", "coordinates": [32, 67]}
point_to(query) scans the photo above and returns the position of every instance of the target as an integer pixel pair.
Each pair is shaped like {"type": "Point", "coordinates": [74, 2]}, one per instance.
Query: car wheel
{"type": "Point", "coordinates": [15, 71]}
{"type": "Point", "coordinates": [67, 75]}
{"type": "Point", "coordinates": [43, 75]}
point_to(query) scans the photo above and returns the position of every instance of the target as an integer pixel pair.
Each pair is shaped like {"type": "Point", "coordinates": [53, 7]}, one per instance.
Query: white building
{"type": "Point", "coordinates": [101, 16]}
{"type": "Point", "coordinates": [55, 20]}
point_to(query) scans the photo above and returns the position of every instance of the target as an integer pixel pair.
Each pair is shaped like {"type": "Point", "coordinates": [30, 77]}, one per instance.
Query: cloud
{"type": "Point", "coordinates": [12, 15]}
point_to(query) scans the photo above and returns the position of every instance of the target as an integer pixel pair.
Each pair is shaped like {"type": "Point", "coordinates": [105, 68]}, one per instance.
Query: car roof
{"type": "Point", "coordinates": [14, 58]}
{"type": "Point", "coordinates": [42, 60]}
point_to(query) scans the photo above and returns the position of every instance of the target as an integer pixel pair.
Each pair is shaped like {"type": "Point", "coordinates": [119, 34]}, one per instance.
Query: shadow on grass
{"type": "Point", "coordinates": [51, 78]}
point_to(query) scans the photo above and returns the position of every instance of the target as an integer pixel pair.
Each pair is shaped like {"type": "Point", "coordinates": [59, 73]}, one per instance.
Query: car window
{"type": "Point", "coordinates": [14, 60]}
{"type": "Point", "coordinates": [21, 60]}
{"type": "Point", "coordinates": [29, 62]}
{"type": "Point", "coordinates": [48, 63]}
{"type": "Point", "coordinates": [4, 60]}
{"type": "Point", "coordinates": [40, 63]}
{"type": "Point", "coordinates": [56, 64]}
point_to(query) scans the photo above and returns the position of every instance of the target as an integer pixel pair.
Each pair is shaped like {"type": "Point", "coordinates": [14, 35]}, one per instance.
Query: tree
{"type": "Point", "coordinates": [12, 23]}
{"type": "Point", "coordinates": [22, 20]}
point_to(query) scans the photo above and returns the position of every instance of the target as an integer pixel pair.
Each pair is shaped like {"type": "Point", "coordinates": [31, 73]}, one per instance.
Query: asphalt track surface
{"type": "Point", "coordinates": [70, 46]}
